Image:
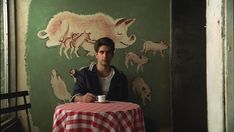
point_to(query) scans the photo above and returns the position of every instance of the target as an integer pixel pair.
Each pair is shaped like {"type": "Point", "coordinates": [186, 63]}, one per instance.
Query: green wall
{"type": "Point", "coordinates": [230, 65]}
{"type": "Point", "coordinates": [152, 23]}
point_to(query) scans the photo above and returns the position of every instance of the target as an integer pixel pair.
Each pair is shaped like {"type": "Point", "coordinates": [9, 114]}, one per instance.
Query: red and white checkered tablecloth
{"type": "Point", "coordinates": [98, 117]}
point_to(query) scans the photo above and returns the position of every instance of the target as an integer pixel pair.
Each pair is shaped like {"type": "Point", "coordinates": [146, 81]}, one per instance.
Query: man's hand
{"type": "Point", "coordinates": [87, 98]}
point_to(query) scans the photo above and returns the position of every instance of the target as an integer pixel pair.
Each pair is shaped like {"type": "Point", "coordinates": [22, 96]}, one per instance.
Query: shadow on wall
{"type": "Point", "coordinates": [150, 125]}
{"type": "Point", "coordinates": [13, 126]}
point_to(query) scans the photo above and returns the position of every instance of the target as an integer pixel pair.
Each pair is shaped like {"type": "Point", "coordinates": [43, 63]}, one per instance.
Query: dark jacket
{"type": "Point", "coordinates": [87, 81]}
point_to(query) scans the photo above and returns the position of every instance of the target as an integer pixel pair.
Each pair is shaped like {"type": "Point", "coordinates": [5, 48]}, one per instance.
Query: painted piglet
{"type": "Point", "coordinates": [136, 59]}
{"type": "Point", "coordinates": [154, 46]}
{"type": "Point", "coordinates": [99, 25]}
{"type": "Point", "coordinates": [141, 88]}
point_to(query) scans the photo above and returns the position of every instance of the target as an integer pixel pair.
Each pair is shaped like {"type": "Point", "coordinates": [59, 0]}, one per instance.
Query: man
{"type": "Point", "coordinates": [101, 78]}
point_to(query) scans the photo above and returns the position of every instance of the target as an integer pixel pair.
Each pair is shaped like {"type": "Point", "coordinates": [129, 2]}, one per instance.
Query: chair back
{"type": "Point", "coordinates": [25, 106]}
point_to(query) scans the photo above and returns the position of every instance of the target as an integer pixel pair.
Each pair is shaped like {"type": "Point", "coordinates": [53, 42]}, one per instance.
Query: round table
{"type": "Point", "coordinates": [111, 116]}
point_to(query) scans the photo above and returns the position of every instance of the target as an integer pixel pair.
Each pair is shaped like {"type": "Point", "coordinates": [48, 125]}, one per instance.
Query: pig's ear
{"type": "Point", "coordinates": [119, 21]}
{"type": "Point", "coordinates": [129, 22]}
{"type": "Point", "coordinates": [42, 34]}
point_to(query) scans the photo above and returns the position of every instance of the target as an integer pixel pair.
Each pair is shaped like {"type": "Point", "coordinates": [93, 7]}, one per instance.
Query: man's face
{"type": "Point", "coordinates": [104, 55]}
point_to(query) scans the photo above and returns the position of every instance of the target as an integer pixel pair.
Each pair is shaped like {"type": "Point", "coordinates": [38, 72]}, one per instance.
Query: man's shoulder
{"type": "Point", "coordinates": [84, 70]}
{"type": "Point", "coordinates": [88, 68]}
{"type": "Point", "coordinates": [118, 72]}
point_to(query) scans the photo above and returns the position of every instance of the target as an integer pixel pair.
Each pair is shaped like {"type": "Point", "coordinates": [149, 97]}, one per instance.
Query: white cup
{"type": "Point", "coordinates": [101, 98]}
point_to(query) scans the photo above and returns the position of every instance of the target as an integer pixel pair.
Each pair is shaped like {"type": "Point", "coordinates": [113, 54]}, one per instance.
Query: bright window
{"type": "Point", "coordinates": [4, 48]}
{"type": "Point", "coordinates": [4, 52]}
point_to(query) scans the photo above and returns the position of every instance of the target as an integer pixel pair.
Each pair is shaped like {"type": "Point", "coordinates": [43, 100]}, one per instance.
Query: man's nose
{"type": "Point", "coordinates": [105, 54]}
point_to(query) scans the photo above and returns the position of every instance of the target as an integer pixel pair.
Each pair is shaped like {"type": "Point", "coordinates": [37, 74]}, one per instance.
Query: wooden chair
{"type": "Point", "coordinates": [17, 107]}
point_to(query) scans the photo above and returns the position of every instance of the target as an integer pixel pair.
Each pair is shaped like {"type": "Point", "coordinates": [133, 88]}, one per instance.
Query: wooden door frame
{"type": "Point", "coordinates": [220, 65]}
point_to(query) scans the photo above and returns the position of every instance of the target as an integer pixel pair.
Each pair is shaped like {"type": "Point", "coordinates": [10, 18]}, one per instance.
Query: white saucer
{"type": "Point", "coordinates": [106, 101]}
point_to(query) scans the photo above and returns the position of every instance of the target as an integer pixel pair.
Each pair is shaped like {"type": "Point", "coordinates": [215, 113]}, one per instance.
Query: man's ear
{"type": "Point", "coordinates": [96, 55]}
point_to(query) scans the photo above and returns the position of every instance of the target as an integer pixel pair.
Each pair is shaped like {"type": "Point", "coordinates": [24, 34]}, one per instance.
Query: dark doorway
{"type": "Point", "coordinates": [189, 102]}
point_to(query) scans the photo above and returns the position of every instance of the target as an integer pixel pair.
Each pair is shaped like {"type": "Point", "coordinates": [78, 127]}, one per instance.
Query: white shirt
{"type": "Point", "coordinates": [105, 81]}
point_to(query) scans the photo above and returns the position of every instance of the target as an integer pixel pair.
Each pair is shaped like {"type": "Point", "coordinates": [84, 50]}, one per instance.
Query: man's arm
{"type": "Point", "coordinates": [88, 97]}
{"type": "Point", "coordinates": [79, 88]}
{"type": "Point", "coordinates": [80, 93]}
{"type": "Point", "coordinates": [125, 80]}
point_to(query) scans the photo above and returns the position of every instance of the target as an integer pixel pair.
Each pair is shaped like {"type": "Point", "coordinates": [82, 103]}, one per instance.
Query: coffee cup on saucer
{"type": "Point", "coordinates": [101, 98]}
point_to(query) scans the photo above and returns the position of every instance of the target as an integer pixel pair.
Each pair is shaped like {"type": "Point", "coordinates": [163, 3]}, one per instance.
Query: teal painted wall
{"type": "Point", "coordinates": [230, 66]}
{"type": "Point", "coordinates": [152, 23]}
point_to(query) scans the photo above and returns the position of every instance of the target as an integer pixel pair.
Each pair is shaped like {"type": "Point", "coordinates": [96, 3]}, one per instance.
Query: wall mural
{"type": "Point", "coordinates": [65, 35]}
{"type": "Point", "coordinates": [133, 58]}
{"type": "Point", "coordinates": [141, 88]}
{"type": "Point", "coordinates": [59, 87]}
{"type": "Point", "coordinates": [154, 47]}
{"type": "Point", "coordinates": [71, 31]}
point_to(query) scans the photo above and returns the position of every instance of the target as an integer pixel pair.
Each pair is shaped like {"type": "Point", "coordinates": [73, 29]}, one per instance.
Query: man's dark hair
{"type": "Point", "coordinates": [104, 41]}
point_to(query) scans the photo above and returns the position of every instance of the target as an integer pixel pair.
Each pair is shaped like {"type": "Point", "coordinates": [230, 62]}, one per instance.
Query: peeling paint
{"type": "Point", "coordinates": [215, 80]}
{"type": "Point", "coordinates": [22, 11]}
